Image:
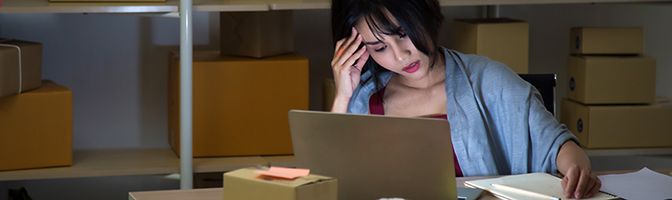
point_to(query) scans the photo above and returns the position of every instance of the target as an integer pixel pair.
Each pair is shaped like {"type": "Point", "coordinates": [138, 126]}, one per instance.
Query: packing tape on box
{"type": "Point", "coordinates": [18, 48]}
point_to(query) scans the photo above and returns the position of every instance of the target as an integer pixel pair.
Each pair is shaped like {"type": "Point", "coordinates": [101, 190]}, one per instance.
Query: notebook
{"type": "Point", "coordinates": [541, 183]}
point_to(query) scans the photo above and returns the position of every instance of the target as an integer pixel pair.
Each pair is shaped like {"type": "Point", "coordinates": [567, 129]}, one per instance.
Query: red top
{"type": "Point", "coordinates": [376, 107]}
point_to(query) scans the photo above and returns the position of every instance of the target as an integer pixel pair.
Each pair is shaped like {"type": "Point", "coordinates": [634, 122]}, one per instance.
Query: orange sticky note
{"type": "Point", "coordinates": [286, 173]}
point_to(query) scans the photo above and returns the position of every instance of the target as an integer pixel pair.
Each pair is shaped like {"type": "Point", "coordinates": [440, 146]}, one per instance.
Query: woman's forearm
{"type": "Point", "coordinates": [340, 105]}
{"type": "Point", "coordinates": [571, 155]}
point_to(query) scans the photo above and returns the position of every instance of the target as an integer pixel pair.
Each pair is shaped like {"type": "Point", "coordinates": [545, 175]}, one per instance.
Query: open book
{"type": "Point", "coordinates": [524, 185]}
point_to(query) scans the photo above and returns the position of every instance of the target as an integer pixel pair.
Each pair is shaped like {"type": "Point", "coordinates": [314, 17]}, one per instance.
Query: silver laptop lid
{"type": "Point", "coordinates": [376, 156]}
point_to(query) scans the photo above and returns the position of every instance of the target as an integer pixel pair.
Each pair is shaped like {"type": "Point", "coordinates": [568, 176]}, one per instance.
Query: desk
{"type": "Point", "coordinates": [216, 193]}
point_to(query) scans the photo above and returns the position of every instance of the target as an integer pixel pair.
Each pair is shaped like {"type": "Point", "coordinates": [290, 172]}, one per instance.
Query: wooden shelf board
{"type": "Point", "coordinates": [299, 4]}
{"type": "Point", "coordinates": [127, 162]}
{"type": "Point", "coordinates": [230, 5]}
{"type": "Point", "coordinates": [44, 6]}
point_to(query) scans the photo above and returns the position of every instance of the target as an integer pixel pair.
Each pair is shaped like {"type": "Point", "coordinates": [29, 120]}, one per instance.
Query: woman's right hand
{"type": "Point", "coordinates": [347, 66]}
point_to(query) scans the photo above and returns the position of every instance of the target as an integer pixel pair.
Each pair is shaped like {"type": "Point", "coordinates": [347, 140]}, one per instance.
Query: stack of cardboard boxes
{"type": "Point", "coordinates": [501, 39]}
{"type": "Point", "coordinates": [35, 115]}
{"type": "Point", "coordinates": [241, 95]}
{"type": "Point", "coordinates": [612, 101]}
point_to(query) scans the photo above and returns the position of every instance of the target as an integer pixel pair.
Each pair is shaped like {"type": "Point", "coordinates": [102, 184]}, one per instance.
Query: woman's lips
{"type": "Point", "coordinates": [413, 67]}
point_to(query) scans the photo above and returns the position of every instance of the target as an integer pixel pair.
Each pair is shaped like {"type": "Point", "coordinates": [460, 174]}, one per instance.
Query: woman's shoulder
{"type": "Point", "coordinates": [477, 65]}
{"type": "Point", "coordinates": [486, 73]}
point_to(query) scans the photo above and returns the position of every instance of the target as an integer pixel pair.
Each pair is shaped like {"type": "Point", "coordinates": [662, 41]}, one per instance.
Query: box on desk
{"type": "Point", "coordinates": [240, 104]}
{"type": "Point", "coordinates": [36, 128]}
{"type": "Point", "coordinates": [606, 40]}
{"type": "Point", "coordinates": [246, 184]}
{"type": "Point", "coordinates": [20, 68]}
{"type": "Point", "coordinates": [256, 34]}
{"type": "Point", "coordinates": [619, 126]}
{"type": "Point", "coordinates": [501, 39]}
{"type": "Point", "coordinates": [612, 79]}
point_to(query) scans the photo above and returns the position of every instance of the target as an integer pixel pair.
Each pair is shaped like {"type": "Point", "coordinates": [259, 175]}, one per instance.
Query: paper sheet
{"type": "Point", "coordinates": [535, 182]}
{"type": "Point", "coordinates": [286, 173]}
{"type": "Point", "coordinates": [644, 184]}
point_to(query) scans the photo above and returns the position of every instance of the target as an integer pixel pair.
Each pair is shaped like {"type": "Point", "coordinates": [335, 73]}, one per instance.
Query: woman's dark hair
{"type": "Point", "coordinates": [420, 20]}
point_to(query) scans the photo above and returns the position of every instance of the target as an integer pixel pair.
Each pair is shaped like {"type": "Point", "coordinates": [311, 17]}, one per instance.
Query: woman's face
{"type": "Point", "coordinates": [394, 52]}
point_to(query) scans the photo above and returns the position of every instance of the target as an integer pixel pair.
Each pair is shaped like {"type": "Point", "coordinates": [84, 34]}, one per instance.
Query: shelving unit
{"type": "Point", "coordinates": [170, 6]}
{"type": "Point", "coordinates": [96, 163]}
{"type": "Point", "coordinates": [128, 162]}
{"type": "Point", "coordinates": [43, 6]}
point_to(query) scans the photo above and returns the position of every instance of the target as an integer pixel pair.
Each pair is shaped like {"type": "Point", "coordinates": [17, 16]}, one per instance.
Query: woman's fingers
{"type": "Point", "coordinates": [353, 59]}
{"type": "Point", "coordinates": [362, 60]}
{"type": "Point", "coordinates": [582, 184]}
{"type": "Point", "coordinates": [342, 45]}
{"type": "Point", "coordinates": [350, 51]}
{"type": "Point", "coordinates": [595, 188]}
{"type": "Point", "coordinates": [572, 179]}
{"type": "Point", "coordinates": [589, 186]}
{"type": "Point", "coordinates": [338, 52]}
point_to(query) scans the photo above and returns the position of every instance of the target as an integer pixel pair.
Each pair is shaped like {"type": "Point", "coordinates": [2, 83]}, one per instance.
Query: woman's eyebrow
{"type": "Point", "coordinates": [372, 43]}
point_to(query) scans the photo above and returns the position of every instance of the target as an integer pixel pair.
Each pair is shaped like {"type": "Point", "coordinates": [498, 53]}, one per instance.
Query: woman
{"type": "Point", "coordinates": [387, 61]}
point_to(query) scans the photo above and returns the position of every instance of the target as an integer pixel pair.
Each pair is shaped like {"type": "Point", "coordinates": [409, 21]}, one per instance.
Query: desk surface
{"type": "Point", "coordinates": [216, 193]}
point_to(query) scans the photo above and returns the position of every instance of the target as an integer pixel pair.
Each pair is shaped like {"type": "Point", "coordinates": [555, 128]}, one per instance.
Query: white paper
{"type": "Point", "coordinates": [644, 184]}
{"type": "Point", "coordinates": [535, 182]}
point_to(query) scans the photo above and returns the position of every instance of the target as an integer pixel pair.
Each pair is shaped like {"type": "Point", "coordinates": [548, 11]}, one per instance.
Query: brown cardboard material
{"type": "Point", "coordinates": [256, 34]}
{"type": "Point", "coordinates": [240, 104]}
{"type": "Point", "coordinates": [30, 75]}
{"type": "Point", "coordinates": [612, 79]}
{"type": "Point", "coordinates": [504, 40]}
{"type": "Point", "coordinates": [619, 126]}
{"type": "Point", "coordinates": [606, 40]}
{"type": "Point", "coordinates": [36, 128]}
{"type": "Point", "coordinates": [246, 184]}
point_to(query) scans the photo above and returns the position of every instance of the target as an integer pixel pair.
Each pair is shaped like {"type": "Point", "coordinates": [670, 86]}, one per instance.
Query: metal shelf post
{"type": "Point", "coordinates": [186, 167]}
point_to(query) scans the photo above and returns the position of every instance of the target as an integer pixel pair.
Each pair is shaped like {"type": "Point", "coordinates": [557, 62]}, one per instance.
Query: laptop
{"type": "Point", "coordinates": [374, 156]}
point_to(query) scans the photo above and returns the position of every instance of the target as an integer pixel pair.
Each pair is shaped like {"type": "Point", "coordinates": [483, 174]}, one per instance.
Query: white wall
{"type": "Point", "coordinates": [549, 34]}
{"type": "Point", "coordinates": [116, 67]}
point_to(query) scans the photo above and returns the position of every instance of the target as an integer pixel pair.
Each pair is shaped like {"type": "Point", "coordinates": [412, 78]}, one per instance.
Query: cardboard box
{"type": "Point", "coordinates": [612, 80]}
{"type": "Point", "coordinates": [36, 128]}
{"type": "Point", "coordinates": [618, 126]}
{"type": "Point", "coordinates": [246, 184]}
{"type": "Point", "coordinates": [504, 40]}
{"type": "Point", "coordinates": [256, 34]}
{"type": "Point", "coordinates": [606, 40]}
{"type": "Point", "coordinates": [240, 104]}
{"type": "Point", "coordinates": [13, 80]}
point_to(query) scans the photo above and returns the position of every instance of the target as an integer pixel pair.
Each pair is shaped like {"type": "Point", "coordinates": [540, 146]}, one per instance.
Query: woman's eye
{"type": "Point", "coordinates": [380, 49]}
{"type": "Point", "coordinates": [402, 35]}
